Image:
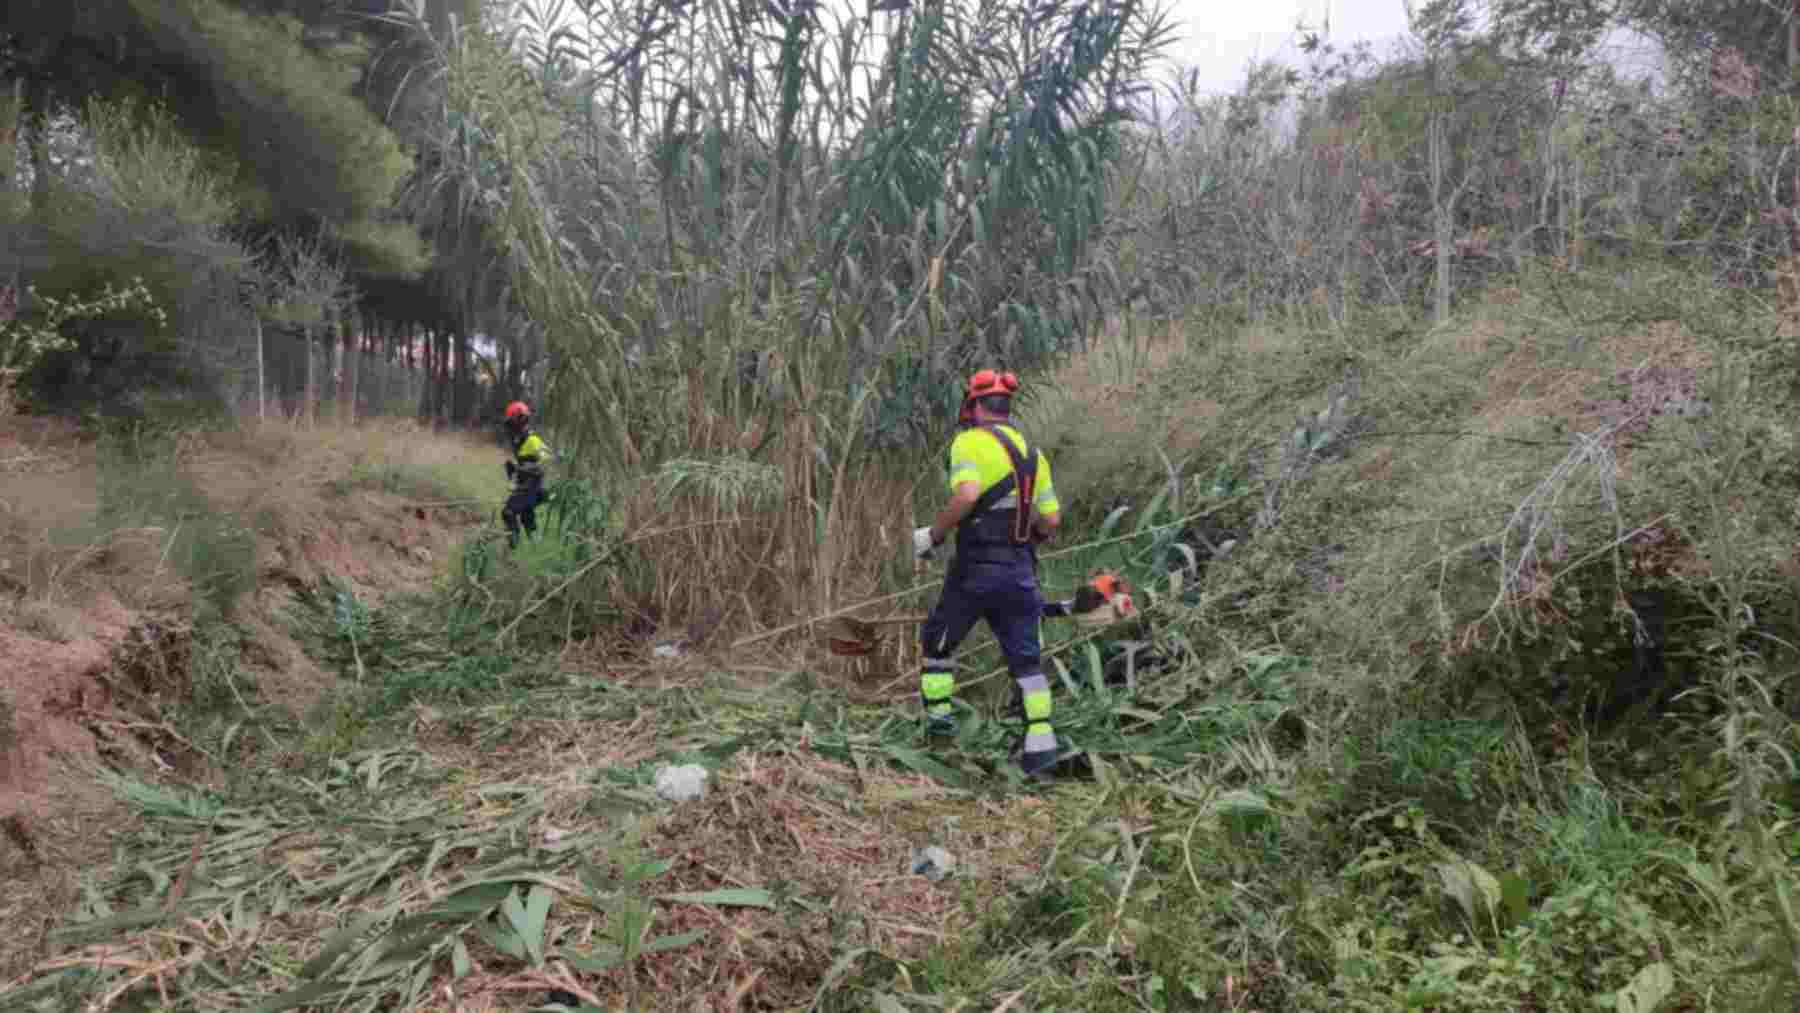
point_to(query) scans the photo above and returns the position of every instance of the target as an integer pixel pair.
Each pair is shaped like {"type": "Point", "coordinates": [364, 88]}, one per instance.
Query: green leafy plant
{"type": "Point", "coordinates": [26, 338]}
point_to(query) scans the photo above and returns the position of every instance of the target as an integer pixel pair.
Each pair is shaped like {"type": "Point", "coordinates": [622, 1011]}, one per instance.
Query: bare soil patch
{"type": "Point", "coordinates": [95, 626]}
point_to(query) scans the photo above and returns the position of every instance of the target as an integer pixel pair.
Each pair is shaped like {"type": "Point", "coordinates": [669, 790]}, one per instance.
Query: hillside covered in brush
{"type": "Point", "coordinates": [1436, 403]}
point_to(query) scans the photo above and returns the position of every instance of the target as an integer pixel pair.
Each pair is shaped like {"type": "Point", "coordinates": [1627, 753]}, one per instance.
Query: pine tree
{"type": "Point", "coordinates": [274, 85]}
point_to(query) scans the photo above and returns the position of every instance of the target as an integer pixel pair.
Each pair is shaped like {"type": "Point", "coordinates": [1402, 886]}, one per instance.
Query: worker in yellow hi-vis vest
{"type": "Point", "coordinates": [1002, 502]}
{"type": "Point", "coordinates": [526, 472]}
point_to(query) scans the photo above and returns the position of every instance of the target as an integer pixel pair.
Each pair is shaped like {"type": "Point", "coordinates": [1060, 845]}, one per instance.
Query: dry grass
{"type": "Point", "coordinates": [845, 848]}
{"type": "Point", "coordinates": [50, 484]}
{"type": "Point", "coordinates": [1467, 422]}
{"type": "Point", "coordinates": [1556, 379]}
{"type": "Point", "coordinates": [818, 850]}
{"type": "Point", "coordinates": [1107, 417]}
{"type": "Point", "coordinates": [1269, 341]}
{"type": "Point", "coordinates": [433, 469]}
{"type": "Point", "coordinates": [377, 504]}
{"type": "Point", "coordinates": [46, 850]}
{"type": "Point", "coordinates": [1535, 384]}
{"type": "Point", "coordinates": [745, 545]}
{"type": "Point", "coordinates": [288, 481]}
{"type": "Point", "coordinates": [72, 593]}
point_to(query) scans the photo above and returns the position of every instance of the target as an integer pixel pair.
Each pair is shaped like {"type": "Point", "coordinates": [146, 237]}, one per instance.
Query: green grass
{"type": "Point", "coordinates": [482, 630]}
{"type": "Point", "coordinates": [403, 459]}
{"type": "Point", "coordinates": [144, 485]}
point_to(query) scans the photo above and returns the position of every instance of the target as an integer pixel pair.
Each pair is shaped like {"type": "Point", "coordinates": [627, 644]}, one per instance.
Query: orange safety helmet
{"type": "Point", "coordinates": [990, 381]}
{"type": "Point", "coordinates": [986, 383]}
{"type": "Point", "coordinates": [517, 410]}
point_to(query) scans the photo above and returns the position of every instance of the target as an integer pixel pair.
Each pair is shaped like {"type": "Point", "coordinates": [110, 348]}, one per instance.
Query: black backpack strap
{"type": "Point", "coordinates": [1023, 480]}
{"type": "Point", "coordinates": [994, 494]}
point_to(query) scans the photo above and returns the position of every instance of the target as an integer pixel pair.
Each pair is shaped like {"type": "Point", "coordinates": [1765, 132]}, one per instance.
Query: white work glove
{"type": "Point", "coordinates": [922, 543]}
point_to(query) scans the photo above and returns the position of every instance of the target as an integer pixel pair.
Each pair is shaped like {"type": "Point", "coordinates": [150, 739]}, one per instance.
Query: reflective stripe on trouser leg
{"type": "Point", "coordinates": [937, 684]}
{"type": "Point", "coordinates": [946, 626]}
{"type": "Point", "coordinates": [1039, 736]}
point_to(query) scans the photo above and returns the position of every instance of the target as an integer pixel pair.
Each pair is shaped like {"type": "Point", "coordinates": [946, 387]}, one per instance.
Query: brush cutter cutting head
{"type": "Point", "coordinates": [1104, 600]}
{"type": "Point", "coordinates": [851, 638]}
{"type": "Point", "coordinates": [849, 648]}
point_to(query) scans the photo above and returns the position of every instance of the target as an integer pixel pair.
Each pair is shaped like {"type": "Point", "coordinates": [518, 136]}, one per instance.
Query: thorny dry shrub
{"type": "Point", "coordinates": [1546, 594]}
{"type": "Point", "coordinates": [1576, 381]}
{"type": "Point", "coordinates": [154, 663]}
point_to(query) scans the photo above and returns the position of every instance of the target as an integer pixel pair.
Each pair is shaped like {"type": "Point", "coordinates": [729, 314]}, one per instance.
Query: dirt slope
{"type": "Point", "coordinates": [95, 622]}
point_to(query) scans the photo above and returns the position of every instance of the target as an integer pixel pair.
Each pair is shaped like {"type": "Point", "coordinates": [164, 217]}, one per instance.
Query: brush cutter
{"type": "Point", "coordinates": [1102, 601]}
{"type": "Point", "coordinates": [848, 637]}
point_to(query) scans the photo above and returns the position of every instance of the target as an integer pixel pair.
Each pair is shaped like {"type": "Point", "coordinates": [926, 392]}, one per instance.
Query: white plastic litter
{"type": "Point", "coordinates": [681, 784]}
{"type": "Point", "coordinates": [934, 863]}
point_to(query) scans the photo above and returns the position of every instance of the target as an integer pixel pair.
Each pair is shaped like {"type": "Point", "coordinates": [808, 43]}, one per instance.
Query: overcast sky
{"type": "Point", "coordinates": [1220, 38]}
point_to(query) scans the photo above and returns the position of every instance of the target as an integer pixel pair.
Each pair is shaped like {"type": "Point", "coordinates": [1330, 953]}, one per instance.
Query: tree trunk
{"type": "Point", "coordinates": [262, 383]}
{"type": "Point", "coordinates": [442, 413]}
{"type": "Point", "coordinates": [1440, 302]}
{"type": "Point", "coordinates": [365, 348]}
{"type": "Point", "coordinates": [37, 139]}
{"type": "Point", "coordinates": [1575, 243]}
{"type": "Point", "coordinates": [1441, 216]}
{"type": "Point", "coordinates": [503, 371]}
{"type": "Point", "coordinates": [441, 379]}
{"type": "Point", "coordinates": [1793, 38]}
{"type": "Point", "coordinates": [1550, 175]}
{"type": "Point", "coordinates": [310, 395]}
{"type": "Point", "coordinates": [331, 351]}
{"type": "Point", "coordinates": [459, 390]}
{"type": "Point", "coordinates": [352, 365]}
{"type": "Point", "coordinates": [12, 115]}
{"type": "Point", "coordinates": [425, 375]}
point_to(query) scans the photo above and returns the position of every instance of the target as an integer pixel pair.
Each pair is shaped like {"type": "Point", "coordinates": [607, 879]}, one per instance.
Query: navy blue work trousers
{"type": "Point", "coordinates": [521, 511]}
{"type": "Point", "coordinates": [1005, 594]}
